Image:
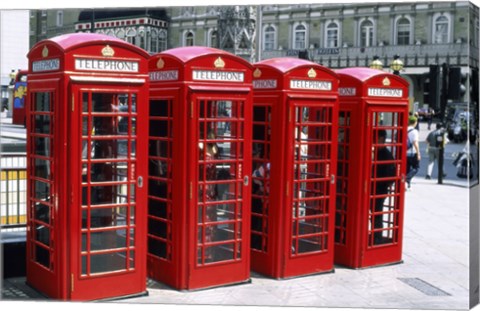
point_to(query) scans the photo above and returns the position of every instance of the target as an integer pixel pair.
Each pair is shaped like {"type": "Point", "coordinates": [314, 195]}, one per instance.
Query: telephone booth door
{"type": "Point", "coordinates": [370, 197]}
{"type": "Point", "coordinates": [294, 162]}
{"type": "Point", "coordinates": [86, 228]}
{"type": "Point", "coordinates": [200, 159]}
{"type": "Point", "coordinates": [220, 199]}
{"type": "Point", "coordinates": [312, 169]}
{"type": "Point", "coordinates": [110, 190]}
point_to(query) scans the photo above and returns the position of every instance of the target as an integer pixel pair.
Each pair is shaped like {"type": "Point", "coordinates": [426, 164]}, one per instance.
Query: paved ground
{"type": "Point", "coordinates": [434, 274]}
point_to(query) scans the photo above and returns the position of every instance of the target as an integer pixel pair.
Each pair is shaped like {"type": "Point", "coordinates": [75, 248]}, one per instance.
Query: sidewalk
{"type": "Point", "coordinates": [434, 275]}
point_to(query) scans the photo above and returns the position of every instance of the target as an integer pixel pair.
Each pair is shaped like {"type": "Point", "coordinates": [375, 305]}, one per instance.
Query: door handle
{"type": "Point", "coordinates": [140, 182]}
{"type": "Point", "coordinates": [245, 181]}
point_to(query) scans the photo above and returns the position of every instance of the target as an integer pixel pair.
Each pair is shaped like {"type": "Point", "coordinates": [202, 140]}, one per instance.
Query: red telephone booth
{"type": "Point", "coordinates": [86, 125]}
{"type": "Point", "coordinates": [371, 167]}
{"type": "Point", "coordinates": [294, 162]}
{"type": "Point", "coordinates": [199, 165]}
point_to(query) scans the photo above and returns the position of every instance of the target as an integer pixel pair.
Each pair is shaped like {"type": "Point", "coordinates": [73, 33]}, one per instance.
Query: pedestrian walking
{"type": "Point", "coordinates": [413, 150]}
{"type": "Point", "coordinates": [433, 140]}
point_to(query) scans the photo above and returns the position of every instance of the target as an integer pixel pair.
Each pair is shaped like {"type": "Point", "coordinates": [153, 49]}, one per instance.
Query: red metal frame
{"type": "Point", "coordinates": [295, 149]}
{"type": "Point", "coordinates": [370, 197]}
{"type": "Point", "coordinates": [86, 198]}
{"type": "Point", "coordinates": [200, 156]}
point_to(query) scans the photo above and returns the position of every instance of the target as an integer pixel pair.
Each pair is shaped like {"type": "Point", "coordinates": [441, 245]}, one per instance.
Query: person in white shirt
{"type": "Point", "coordinates": [413, 151]}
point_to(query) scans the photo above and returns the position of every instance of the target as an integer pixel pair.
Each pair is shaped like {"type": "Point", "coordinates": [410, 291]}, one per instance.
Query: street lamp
{"type": "Point", "coordinates": [376, 63]}
{"type": "Point", "coordinates": [396, 65]}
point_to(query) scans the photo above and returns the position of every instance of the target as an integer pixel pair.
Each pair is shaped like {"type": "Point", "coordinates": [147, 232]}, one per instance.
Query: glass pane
{"type": "Point", "coordinates": [108, 262]}
{"type": "Point", "coordinates": [110, 125]}
{"type": "Point", "coordinates": [85, 102]}
{"type": "Point", "coordinates": [108, 240]}
{"type": "Point", "coordinates": [42, 191]}
{"type": "Point", "coordinates": [42, 146]}
{"type": "Point", "coordinates": [311, 244]}
{"type": "Point", "coordinates": [115, 194]}
{"type": "Point", "coordinates": [221, 232]}
{"type": "Point", "coordinates": [220, 253]}
{"type": "Point", "coordinates": [158, 228]}
{"type": "Point", "coordinates": [132, 259]}
{"type": "Point", "coordinates": [109, 171]}
{"type": "Point", "coordinates": [157, 247]}
{"type": "Point", "coordinates": [42, 212]}
{"type": "Point", "coordinates": [42, 102]}
{"type": "Point", "coordinates": [108, 217]}
{"type": "Point", "coordinates": [42, 256]}
{"type": "Point", "coordinates": [103, 103]}
{"type": "Point", "coordinates": [159, 148]}
{"type": "Point", "coordinates": [42, 124]}
{"type": "Point", "coordinates": [218, 192]}
{"type": "Point", "coordinates": [42, 234]}
{"type": "Point", "coordinates": [159, 108]}
{"type": "Point", "coordinates": [84, 242]}
{"type": "Point", "coordinates": [159, 128]}
{"type": "Point", "coordinates": [42, 168]}
{"type": "Point", "coordinates": [110, 149]}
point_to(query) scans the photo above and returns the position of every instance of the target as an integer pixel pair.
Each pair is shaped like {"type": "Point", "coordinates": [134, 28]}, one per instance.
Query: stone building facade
{"type": "Point", "coordinates": [333, 34]}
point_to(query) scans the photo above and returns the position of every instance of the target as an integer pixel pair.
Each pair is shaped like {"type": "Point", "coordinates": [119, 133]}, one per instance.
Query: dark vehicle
{"type": "Point", "coordinates": [460, 123]}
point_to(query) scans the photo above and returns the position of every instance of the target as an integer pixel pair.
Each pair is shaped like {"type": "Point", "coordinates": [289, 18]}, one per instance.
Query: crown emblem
{"type": "Point", "coordinates": [219, 63]}
{"type": "Point", "coordinates": [386, 81]}
{"type": "Point", "coordinates": [45, 51]}
{"type": "Point", "coordinates": [257, 73]}
{"type": "Point", "coordinates": [312, 73]}
{"type": "Point", "coordinates": [108, 51]}
{"type": "Point", "coordinates": [160, 63]}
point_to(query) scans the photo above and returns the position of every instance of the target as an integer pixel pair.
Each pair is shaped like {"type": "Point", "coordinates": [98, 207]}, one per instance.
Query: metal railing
{"type": "Point", "coordinates": [13, 192]}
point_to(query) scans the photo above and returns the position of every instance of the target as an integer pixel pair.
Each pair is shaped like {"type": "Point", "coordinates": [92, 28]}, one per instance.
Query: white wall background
{"type": "Point", "coordinates": [14, 42]}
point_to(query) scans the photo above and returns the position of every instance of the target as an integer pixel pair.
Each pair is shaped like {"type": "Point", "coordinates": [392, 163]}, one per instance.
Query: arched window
{"type": "Point", "coordinates": [300, 37]}
{"type": "Point", "coordinates": [154, 41]}
{"type": "Point", "coordinates": [59, 18]}
{"type": "Point", "coordinates": [331, 35]}
{"type": "Point", "coordinates": [476, 33]}
{"type": "Point", "coordinates": [162, 40]}
{"type": "Point", "coordinates": [403, 31]}
{"type": "Point", "coordinates": [366, 33]}
{"type": "Point", "coordinates": [131, 36]}
{"type": "Point", "coordinates": [213, 38]}
{"type": "Point", "coordinates": [269, 38]}
{"type": "Point", "coordinates": [121, 34]}
{"type": "Point", "coordinates": [441, 29]}
{"type": "Point", "coordinates": [189, 39]}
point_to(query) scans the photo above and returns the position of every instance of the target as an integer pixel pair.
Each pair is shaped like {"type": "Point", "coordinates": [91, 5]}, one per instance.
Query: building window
{"type": "Point", "coordinates": [300, 37]}
{"type": "Point", "coordinates": [476, 33]}
{"type": "Point", "coordinates": [121, 34]}
{"type": "Point", "coordinates": [213, 38]}
{"type": "Point", "coordinates": [59, 18]}
{"type": "Point", "coordinates": [269, 38]}
{"type": "Point", "coordinates": [366, 33]}
{"type": "Point", "coordinates": [189, 39]}
{"type": "Point", "coordinates": [403, 31]}
{"type": "Point", "coordinates": [441, 29]}
{"type": "Point", "coordinates": [44, 27]}
{"type": "Point", "coordinates": [162, 40]}
{"type": "Point", "coordinates": [331, 35]}
{"type": "Point", "coordinates": [131, 36]}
